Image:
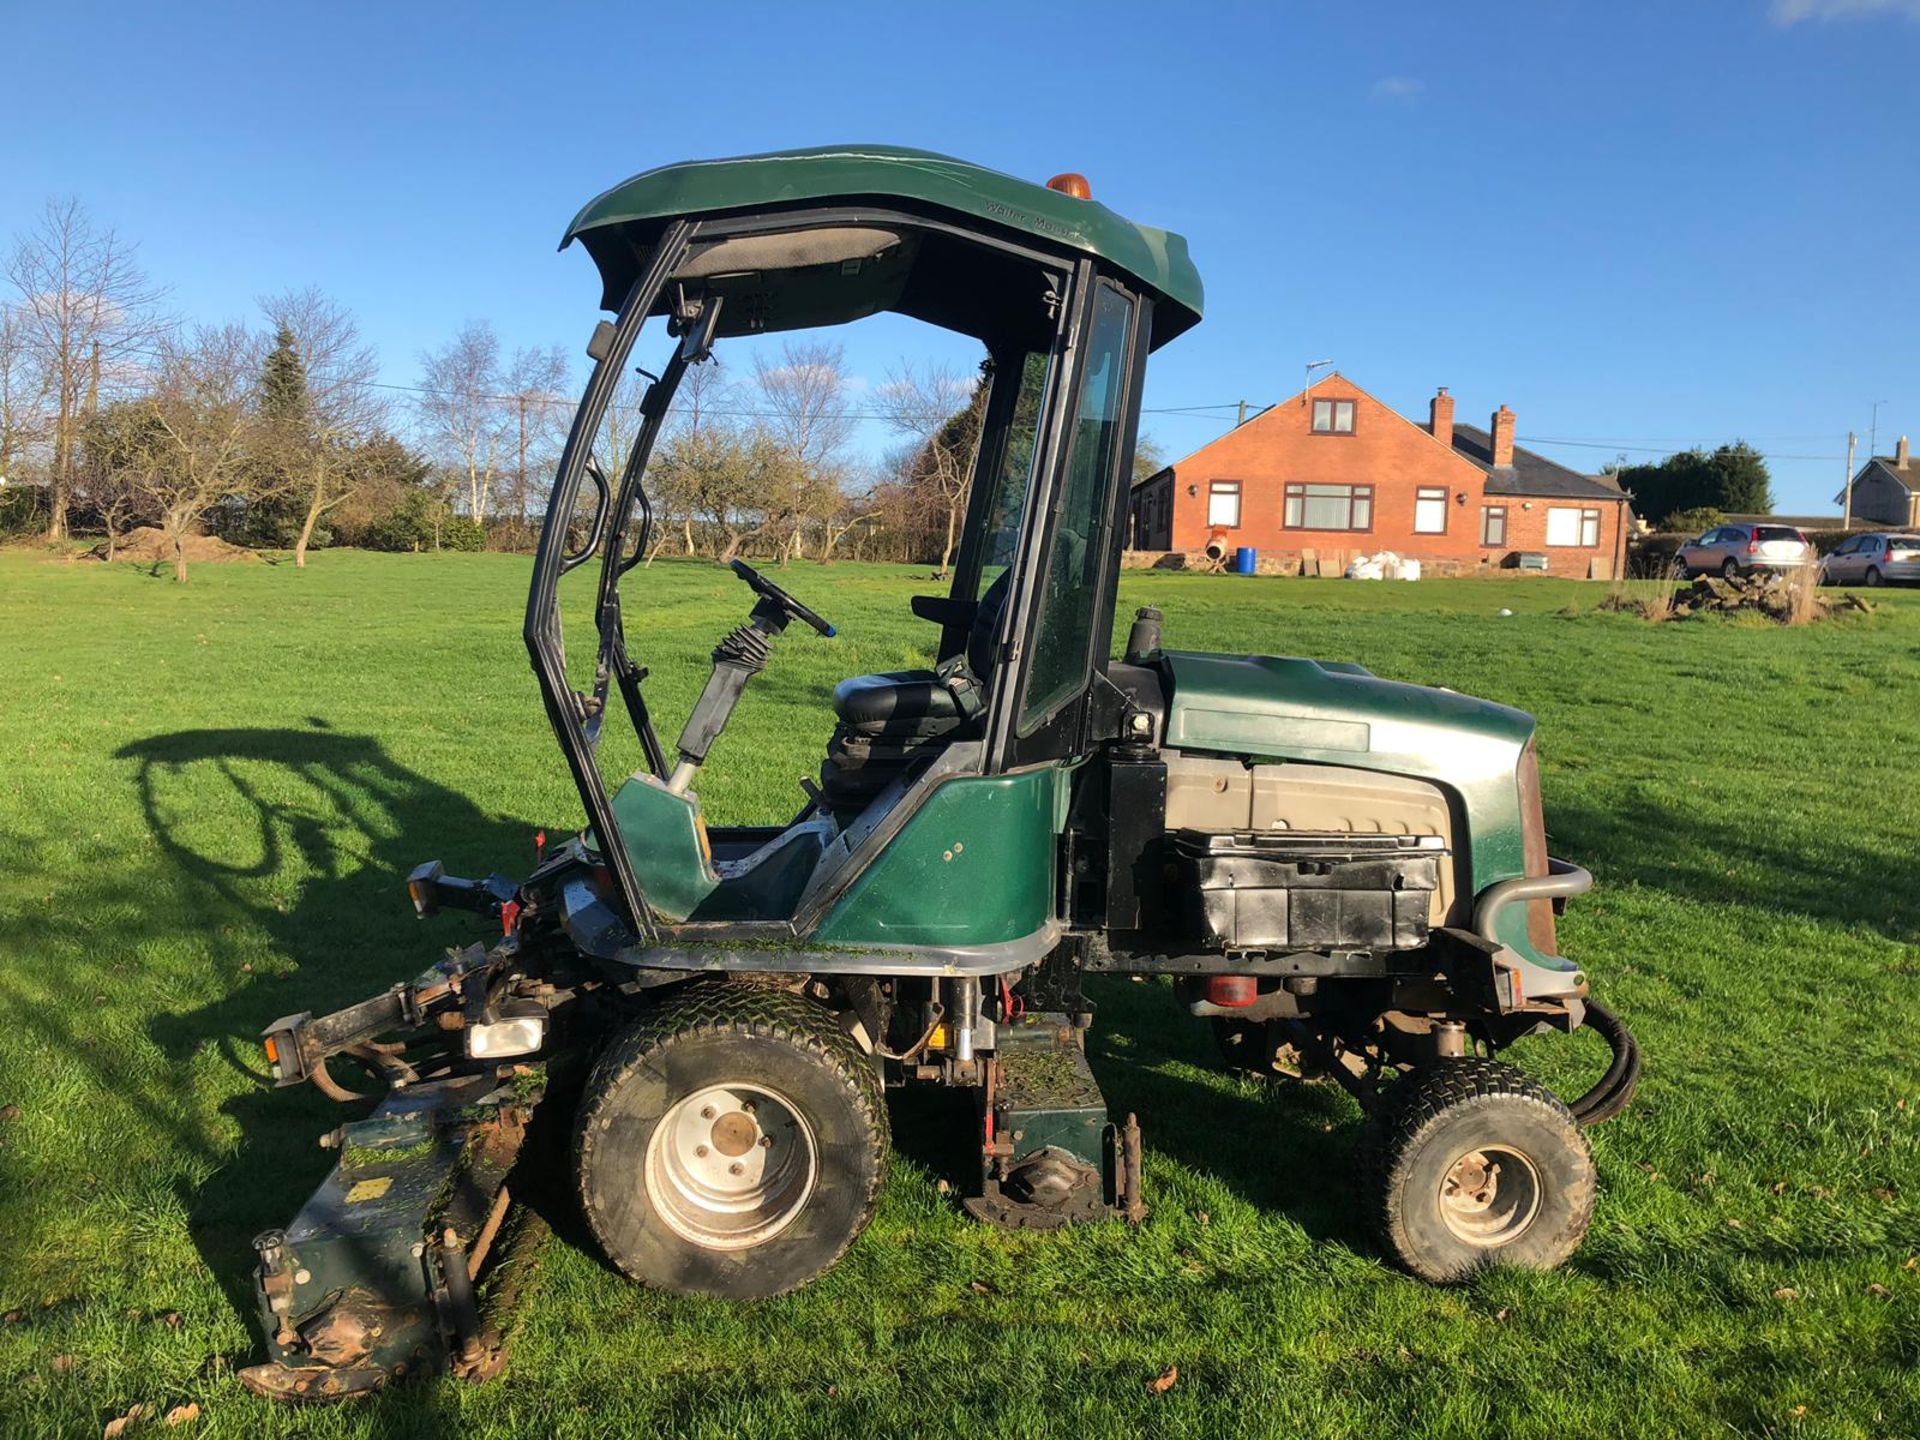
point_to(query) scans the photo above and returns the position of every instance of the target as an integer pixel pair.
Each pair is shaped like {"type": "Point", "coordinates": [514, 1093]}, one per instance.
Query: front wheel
{"type": "Point", "coordinates": [1680, 570]}
{"type": "Point", "coordinates": [732, 1144]}
{"type": "Point", "coordinates": [1473, 1162]}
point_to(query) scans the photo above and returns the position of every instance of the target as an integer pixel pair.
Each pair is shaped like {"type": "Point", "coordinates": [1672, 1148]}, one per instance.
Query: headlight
{"type": "Point", "coordinates": [507, 1036]}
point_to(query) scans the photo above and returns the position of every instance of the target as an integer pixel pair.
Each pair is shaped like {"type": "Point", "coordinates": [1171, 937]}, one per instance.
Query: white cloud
{"type": "Point", "coordinates": [1792, 12]}
{"type": "Point", "coordinates": [1402, 89]}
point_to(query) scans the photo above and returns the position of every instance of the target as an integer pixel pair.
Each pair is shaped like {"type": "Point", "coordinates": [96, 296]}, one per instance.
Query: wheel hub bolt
{"type": "Point", "coordinates": [766, 1142]}
{"type": "Point", "coordinates": [707, 1113]}
{"type": "Point", "coordinates": [701, 1151]}
{"type": "Point", "coordinates": [736, 1168]}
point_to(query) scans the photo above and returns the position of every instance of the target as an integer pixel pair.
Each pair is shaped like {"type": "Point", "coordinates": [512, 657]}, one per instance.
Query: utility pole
{"type": "Point", "coordinates": [1243, 416]}
{"type": "Point", "coordinates": [1846, 514]}
{"type": "Point", "coordinates": [520, 496]}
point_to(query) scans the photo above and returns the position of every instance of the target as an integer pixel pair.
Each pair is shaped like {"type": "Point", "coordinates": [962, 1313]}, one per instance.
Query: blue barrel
{"type": "Point", "coordinates": [1246, 561]}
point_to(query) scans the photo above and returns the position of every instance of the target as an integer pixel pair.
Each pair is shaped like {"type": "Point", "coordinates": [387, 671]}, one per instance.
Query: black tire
{"type": "Point", "coordinates": [1730, 570]}
{"type": "Point", "coordinates": [819, 1099]}
{"type": "Point", "coordinates": [1421, 1150]}
{"type": "Point", "coordinates": [1874, 577]}
{"type": "Point", "coordinates": [1680, 570]}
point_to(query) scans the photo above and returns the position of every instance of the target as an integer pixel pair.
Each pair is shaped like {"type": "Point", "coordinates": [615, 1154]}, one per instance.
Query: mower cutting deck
{"type": "Point", "coordinates": [1347, 877]}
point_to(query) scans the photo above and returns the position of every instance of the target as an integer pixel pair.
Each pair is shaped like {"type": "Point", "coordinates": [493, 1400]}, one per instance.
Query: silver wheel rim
{"type": "Point", "coordinates": [1490, 1195]}
{"type": "Point", "coordinates": [730, 1166]}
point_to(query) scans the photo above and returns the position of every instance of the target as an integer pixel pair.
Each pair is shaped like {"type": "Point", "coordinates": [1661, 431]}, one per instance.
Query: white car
{"type": "Point", "coordinates": [1732, 550]}
{"type": "Point", "coordinates": [1879, 559]}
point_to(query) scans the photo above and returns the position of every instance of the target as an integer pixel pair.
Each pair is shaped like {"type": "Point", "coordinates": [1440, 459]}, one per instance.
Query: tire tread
{"type": "Point", "coordinates": [1422, 1100]}
{"type": "Point", "coordinates": [744, 1011]}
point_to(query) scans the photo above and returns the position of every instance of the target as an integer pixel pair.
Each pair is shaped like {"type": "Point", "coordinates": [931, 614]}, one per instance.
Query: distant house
{"type": "Point", "coordinates": [1334, 473]}
{"type": "Point", "coordinates": [1886, 490]}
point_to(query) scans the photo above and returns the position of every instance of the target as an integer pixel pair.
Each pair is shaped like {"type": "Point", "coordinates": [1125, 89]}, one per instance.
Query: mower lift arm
{"type": "Point", "coordinates": [298, 1046]}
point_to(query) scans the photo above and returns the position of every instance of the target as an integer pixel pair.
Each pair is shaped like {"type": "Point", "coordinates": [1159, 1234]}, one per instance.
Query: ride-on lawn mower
{"type": "Point", "coordinates": [1347, 877]}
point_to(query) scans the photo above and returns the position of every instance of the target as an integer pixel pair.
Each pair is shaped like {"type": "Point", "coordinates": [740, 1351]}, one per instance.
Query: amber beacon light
{"type": "Point", "coordinates": [1072, 183]}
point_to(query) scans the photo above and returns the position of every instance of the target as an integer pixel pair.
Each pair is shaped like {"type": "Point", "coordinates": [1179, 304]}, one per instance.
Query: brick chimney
{"type": "Point", "coordinates": [1900, 454]}
{"type": "Point", "coordinates": [1502, 432]}
{"type": "Point", "coordinates": [1440, 417]}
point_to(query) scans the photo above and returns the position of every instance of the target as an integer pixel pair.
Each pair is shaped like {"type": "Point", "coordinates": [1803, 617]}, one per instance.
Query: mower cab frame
{"type": "Point", "coordinates": [1015, 733]}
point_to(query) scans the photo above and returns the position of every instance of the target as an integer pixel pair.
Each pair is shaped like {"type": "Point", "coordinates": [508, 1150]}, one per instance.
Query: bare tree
{"type": "Point", "coordinates": [460, 411]}
{"type": "Point", "coordinates": [938, 412]}
{"type": "Point", "coordinates": [120, 448]}
{"type": "Point", "coordinates": [537, 420]}
{"type": "Point", "coordinates": [702, 401]}
{"type": "Point", "coordinates": [704, 397]}
{"type": "Point", "coordinates": [1148, 458]}
{"type": "Point", "coordinates": [87, 312]}
{"type": "Point", "coordinates": [494, 422]}
{"type": "Point", "coordinates": [733, 479]}
{"type": "Point", "coordinates": [23, 393]}
{"type": "Point", "coordinates": [805, 396]}
{"type": "Point", "coordinates": [852, 512]}
{"type": "Point", "coordinates": [315, 448]}
{"type": "Point", "coordinates": [202, 409]}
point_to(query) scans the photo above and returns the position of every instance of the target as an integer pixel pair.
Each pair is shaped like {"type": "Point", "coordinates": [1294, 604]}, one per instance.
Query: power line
{"type": "Point", "coordinates": [1652, 449]}
{"type": "Point", "coordinates": [1659, 445]}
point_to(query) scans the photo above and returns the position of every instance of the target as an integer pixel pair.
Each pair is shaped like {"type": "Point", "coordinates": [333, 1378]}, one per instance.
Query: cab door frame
{"type": "Point", "coordinates": [1063, 733]}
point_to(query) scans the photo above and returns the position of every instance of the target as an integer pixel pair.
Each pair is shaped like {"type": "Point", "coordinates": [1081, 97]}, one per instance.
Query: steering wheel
{"type": "Point", "coordinates": [767, 590]}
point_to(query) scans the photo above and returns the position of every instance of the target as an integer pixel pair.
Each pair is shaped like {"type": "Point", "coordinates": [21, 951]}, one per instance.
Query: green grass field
{"type": "Point", "coordinates": [209, 795]}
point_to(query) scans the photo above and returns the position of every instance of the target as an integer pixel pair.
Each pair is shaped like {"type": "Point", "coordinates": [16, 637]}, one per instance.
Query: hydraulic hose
{"type": "Point", "coordinates": [1615, 1088]}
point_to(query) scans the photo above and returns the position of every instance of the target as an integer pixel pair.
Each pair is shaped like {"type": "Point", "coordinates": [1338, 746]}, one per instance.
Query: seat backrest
{"type": "Point", "coordinates": [986, 628]}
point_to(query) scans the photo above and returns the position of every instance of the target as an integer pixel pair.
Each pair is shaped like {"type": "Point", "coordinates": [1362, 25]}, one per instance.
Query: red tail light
{"type": "Point", "coordinates": [1753, 547]}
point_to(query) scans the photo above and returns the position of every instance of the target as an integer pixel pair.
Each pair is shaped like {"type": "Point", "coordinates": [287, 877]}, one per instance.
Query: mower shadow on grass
{"type": "Point", "coordinates": [1727, 859]}
{"type": "Point", "coordinates": [1282, 1146]}
{"type": "Point", "coordinates": [339, 824]}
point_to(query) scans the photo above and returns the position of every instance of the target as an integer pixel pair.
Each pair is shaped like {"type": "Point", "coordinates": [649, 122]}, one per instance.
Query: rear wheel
{"type": "Point", "coordinates": [732, 1144]}
{"type": "Point", "coordinates": [1874, 577]}
{"type": "Point", "coordinates": [1730, 570]}
{"type": "Point", "coordinates": [1473, 1162]}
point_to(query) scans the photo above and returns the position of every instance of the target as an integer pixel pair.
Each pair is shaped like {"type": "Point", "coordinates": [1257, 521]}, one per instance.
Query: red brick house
{"type": "Point", "coordinates": [1332, 473]}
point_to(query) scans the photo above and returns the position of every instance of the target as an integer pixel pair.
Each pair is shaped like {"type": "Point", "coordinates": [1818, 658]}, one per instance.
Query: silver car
{"type": "Point", "coordinates": [1741, 549]}
{"type": "Point", "coordinates": [1873, 560]}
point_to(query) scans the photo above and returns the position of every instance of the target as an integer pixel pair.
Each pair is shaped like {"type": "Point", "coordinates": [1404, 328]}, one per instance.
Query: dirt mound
{"type": "Point", "coordinates": [1792, 599]}
{"type": "Point", "coordinates": [148, 546]}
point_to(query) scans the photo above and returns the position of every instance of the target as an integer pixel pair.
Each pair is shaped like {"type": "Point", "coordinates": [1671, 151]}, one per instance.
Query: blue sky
{"type": "Point", "coordinates": [1640, 225]}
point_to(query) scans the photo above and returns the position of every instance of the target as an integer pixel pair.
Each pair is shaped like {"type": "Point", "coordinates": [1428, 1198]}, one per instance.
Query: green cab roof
{"type": "Point", "coordinates": [618, 224]}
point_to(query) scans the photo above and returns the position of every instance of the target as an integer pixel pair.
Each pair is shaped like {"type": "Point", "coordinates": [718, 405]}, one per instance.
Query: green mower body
{"type": "Point", "coordinates": [1344, 877]}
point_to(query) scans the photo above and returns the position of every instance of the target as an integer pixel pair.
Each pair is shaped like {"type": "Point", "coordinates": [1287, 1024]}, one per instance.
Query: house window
{"type": "Point", "coordinates": [1493, 525]}
{"type": "Point", "coordinates": [1333, 417]}
{"type": "Point", "coordinates": [1429, 512]}
{"type": "Point", "coordinates": [1223, 503]}
{"type": "Point", "coordinates": [1328, 507]}
{"type": "Point", "coordinates": [1570, 527]}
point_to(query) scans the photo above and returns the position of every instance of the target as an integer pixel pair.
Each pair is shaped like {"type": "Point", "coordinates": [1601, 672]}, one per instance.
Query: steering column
{"type": "Point", "coordinates": [736, 660]}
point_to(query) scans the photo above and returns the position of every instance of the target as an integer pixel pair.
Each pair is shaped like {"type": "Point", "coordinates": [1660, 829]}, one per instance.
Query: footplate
{"type": "Point", "coordinates": [379, 1276]}
{"type": "Point", "coordinates": [1050, 1156]}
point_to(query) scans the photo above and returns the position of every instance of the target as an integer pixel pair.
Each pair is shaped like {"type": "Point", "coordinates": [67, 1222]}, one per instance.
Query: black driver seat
{"type": "Point", "coordinates": [889, 721]}
{"type": "Point", "coordinates": [900, 702]}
